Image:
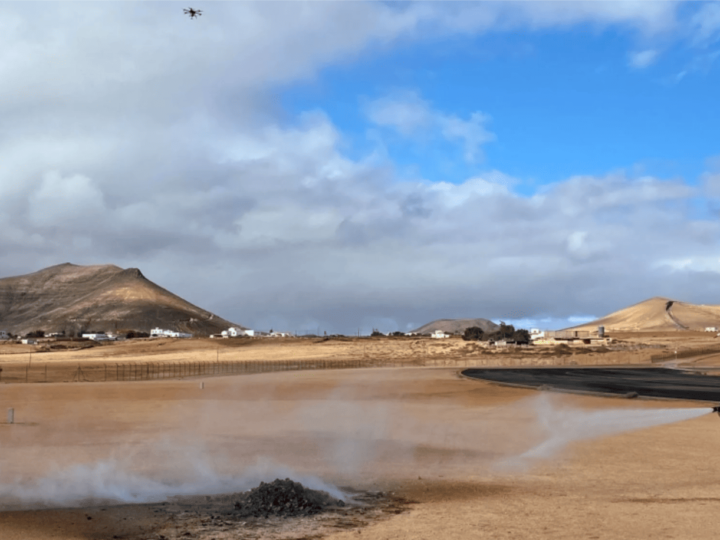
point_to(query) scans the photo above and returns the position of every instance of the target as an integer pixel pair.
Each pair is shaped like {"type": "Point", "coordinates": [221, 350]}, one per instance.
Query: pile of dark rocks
{"type": "Point", "coordinates": [284, 498]}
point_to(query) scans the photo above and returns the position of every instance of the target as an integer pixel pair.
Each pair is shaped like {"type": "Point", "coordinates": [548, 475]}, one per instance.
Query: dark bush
{"type": "Point", "coordinates": [473, 333]}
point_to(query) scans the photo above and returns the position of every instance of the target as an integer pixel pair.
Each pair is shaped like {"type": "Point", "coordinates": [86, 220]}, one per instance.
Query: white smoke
{"type": "Point", "coordinates": [559, 425]}
{"type": "Point", "coordinates": [113, 481]}
{"type": "Point", "coordinates": [346, 434]}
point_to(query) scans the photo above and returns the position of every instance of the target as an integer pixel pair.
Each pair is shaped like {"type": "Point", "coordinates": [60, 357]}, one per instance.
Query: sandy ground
{"type": "Point", "coordinates": [476, 460]}
{"type": "Point", "coordinates": [629, 348]}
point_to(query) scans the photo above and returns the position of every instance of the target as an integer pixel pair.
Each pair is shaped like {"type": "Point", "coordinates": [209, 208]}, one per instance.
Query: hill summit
{"type": "Point", "coordinates": [456, 326]}
{"type": "Point", "coordinates": [74, 298]}
{"type": "Point", "coordinates": [658, 314]}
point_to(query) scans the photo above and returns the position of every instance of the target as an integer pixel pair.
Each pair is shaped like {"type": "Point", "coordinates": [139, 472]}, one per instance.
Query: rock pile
{"type": "Point", "coordinates": [284, 498]}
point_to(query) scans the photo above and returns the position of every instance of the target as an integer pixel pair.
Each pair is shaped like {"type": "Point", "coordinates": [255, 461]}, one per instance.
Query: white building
{"type": "Point", "coordinates": [712, 329]}
{"type": "Point", "coordinates": [159, 332]}
{"type": "Point", "coordinates": [4, 334]}
{"type": "Point", "coordinates": [439, 334]}
{"type": "Point", "coordinates": [28, 341]}
{"type": "Point", "coordinates": [97, 337]}
{"type": "Point", "coordinates": [237, 332]}
{"type": "Point", "coordinates": [536, 333]}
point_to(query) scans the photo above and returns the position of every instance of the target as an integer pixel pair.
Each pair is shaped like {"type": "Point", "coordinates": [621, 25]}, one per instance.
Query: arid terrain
{"type": "Point", "coordinates": [71, 298]}
{"type": "Point", "coordinates": [658, 315]}
{"type": "Point", "coordinates": [428, 453]}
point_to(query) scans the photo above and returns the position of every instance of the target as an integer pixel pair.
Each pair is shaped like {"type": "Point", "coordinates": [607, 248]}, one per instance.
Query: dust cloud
{"type": "Point", "coordinates": [238, 435]}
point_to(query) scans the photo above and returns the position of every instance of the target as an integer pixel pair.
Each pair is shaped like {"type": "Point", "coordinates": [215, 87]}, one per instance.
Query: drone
{"type": "Point", "coordinates": [192, 12]}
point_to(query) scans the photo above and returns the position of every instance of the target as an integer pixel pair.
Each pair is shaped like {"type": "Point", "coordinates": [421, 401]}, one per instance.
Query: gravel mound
{"type": "Point", "coordinates": [284, 498]}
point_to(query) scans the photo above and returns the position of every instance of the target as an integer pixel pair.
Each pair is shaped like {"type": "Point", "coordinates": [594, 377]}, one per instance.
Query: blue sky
{"type": "Point", "coordinates": [335, 165]}
{"type": "Point", "coordinates": [560, 103]}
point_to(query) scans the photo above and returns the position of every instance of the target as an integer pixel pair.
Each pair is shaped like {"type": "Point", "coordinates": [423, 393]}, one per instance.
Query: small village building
{"type": "Point", "coordinates": [28, 341]}
{"type": "Point", "coordinates": [159, 332]}
{"type": "Point", "coordinates": [4, 334]}
{"type": "Point", "coordinates": [236, 332]}
{"type": "Point", "coordinates": [439, 334]}
{"type": "Point", "coordinates": [100, 336]}
{"type": "Point", "coordinates": [712, 329]}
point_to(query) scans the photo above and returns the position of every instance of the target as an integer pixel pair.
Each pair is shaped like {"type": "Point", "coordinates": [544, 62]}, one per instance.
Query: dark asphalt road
{"type": "Point", "coordinates": [647, 382]}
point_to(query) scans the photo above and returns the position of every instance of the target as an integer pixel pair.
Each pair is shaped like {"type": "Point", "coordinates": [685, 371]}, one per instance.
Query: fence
{"type": "Point", "coordinates": [689, 353]}
{"type": "Point", "coordinates": [147, 371]}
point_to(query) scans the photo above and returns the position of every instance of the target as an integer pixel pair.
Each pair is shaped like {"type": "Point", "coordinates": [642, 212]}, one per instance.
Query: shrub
{"type": "Point", "coordinates": [473, 333]}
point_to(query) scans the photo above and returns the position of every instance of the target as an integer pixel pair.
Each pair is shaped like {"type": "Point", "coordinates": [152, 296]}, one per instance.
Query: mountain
{"type": "Point", "coordinates": [457, 326]}
{"type": "Point", "coordinates": [658, 314]}
{"type": "Point", "coordinates": [101, 298]}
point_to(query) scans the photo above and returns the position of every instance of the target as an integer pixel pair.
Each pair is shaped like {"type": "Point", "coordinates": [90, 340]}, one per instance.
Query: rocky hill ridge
{"type": "Point", "coordinates": [73, 298]}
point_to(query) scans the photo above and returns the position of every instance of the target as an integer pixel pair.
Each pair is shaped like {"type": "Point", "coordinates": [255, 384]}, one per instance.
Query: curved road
{"type": "Point", "coordinates": [629, 382]}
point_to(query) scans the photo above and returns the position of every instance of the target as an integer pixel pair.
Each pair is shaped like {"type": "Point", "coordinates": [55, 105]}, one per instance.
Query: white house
{"type": "Point", "coordinates": [439, 334]}
{"type": "Point", "coordinates": [4, 334]}
{"type": "Point", "coordinates": [28, 341]}
{"type": "Point", "coordinates": [97, 337]}
{"type": "Point", "coordinates": [536, 333]}
{"type": "Point", "coordinates": [159, 332]}
{"type": "Point", "coordinates": [712, 329]}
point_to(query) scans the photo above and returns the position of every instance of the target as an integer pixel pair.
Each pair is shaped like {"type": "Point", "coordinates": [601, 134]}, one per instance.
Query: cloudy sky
{"type": "Point", "coordinates": [338, 165]}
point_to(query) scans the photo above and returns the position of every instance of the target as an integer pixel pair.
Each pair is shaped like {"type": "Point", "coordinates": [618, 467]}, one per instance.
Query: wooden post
{"type": "Point", "coordinates": [11, 416]}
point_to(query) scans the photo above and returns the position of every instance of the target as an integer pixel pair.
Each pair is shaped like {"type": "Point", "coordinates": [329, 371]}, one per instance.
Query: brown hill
{"type": "Point", "coordinates": [456, 326]}
{"type": "Point", "coordinates": [658, 314]}
{"type": "Point", "coordinates": [101, 298]}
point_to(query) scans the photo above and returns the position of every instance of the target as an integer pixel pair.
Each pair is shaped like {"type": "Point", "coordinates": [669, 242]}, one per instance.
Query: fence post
{"type": "Point", "coordinates": [11, 416]}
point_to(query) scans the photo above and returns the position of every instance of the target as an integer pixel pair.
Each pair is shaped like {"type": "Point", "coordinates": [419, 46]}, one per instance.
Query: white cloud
{"type": "Point", "coordinates": [132, 135]}
{"type": "Point", "coordinates": [705, 23]}
{"type": "Point", "coordinates": [410, 115]}
{"type": "Point", "coordinates": [642, 59]}
{"type": "Point", "coordinates": [406, 112]}
{"type": "Point", "coordinates": [71, 201]}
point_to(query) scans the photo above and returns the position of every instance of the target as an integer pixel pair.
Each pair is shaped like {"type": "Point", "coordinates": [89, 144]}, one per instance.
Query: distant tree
{"type": "Point", "coordinates": [398, 334]}
{"type": "Point", "coordinates": [376, 332]}
{"type": "Point", "coordinates": [35, 334]}
{"type": "Point", "coordinates": [521, 336]}
{"type": "Point", "coordinates": [505, 331]}
{"type": "Point", "coordinates": [473, 333]}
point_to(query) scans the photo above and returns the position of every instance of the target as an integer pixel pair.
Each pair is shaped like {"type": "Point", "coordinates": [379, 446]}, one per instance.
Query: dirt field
{"type": "Point", "coordinates": [462, 457]}
{"type": "Point", "coordinates": [629, 348]}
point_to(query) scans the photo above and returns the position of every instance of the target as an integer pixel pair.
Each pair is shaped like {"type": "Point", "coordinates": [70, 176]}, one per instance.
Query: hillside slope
{"type": "Point", "coordinates": [658, 314]}
{"type": "Point", "coordinates": [456, 326]}
{"type": "Point", "coordinates": [103, 298]}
